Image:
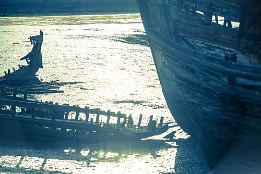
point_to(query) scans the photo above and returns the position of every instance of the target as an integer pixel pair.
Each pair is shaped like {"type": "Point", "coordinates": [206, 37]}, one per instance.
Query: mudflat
{"type": "Point", "coordinates": [70, 7]}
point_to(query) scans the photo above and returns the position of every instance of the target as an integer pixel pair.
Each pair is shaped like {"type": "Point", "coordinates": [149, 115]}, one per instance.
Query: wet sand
{"type": "Point", "coordinates": [70, 7]}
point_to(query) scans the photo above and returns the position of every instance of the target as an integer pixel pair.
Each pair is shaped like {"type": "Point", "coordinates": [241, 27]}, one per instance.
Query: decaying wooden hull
{"type": "Point", "coordinates": [26, 74]}
{"type": "Point", "coordinates": [208, 58]}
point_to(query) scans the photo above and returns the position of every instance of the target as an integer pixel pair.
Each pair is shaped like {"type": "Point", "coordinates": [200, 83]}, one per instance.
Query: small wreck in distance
{"type": "Point", "coordinates": [24, 74]}
{"type": "Point", "coordinates": [25, 119]}
{"type": "Point", "coordinates": [34, 58]}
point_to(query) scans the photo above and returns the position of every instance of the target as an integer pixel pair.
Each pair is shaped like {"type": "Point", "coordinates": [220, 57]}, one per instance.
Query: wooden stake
{"type": "Point", "coordinates": [161, 121]}
{"type": "Point", "coordinates": [98, 115]}
{"type": "Point", "coordinates": [119, 118]}
{"type": "Point", "coordinates": [77, 114]}
{"type": "Point", "coordinates": [87, 114]}
{"type": "Point", "coordinates": [140, 119]}
{"type": "Point", "coordinates": [108, 116]}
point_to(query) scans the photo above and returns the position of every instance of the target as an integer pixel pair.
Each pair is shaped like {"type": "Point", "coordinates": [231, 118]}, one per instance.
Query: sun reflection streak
{"type": "Point", "coordinates": [161, 161]}
{"type": "Point", "coordinates": [134, 159]}
{"type": "Point", "coordinates": [101, 154]}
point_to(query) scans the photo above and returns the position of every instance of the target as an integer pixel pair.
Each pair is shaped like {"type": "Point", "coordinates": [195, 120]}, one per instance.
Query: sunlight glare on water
{"type": "Point", "coordinates": [100, 61]}
{"type": "Point", "coordinates": [107, 64]}
{"type": "Point", "coordinates": [131, 160]}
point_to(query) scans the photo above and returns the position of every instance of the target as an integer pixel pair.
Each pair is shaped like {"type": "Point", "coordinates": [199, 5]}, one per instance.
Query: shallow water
{"type": "Point", "coordinates": [111, 71]}
{"type": "Point", "coordinates": [108, 65]}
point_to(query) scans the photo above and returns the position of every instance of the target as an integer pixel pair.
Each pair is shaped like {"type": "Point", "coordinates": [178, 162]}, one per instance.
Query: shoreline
{"type": "Point", "coordinates": [67, 19]}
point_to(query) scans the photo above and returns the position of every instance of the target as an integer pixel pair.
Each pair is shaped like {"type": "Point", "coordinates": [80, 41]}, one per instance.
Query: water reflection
{"type": "Point", "coordinates": [148, 156]}
{"type": "Point", "coordinates": [157, 154]}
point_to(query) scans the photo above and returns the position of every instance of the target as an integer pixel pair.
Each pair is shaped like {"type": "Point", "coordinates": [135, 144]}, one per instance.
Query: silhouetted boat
{"type": "Point", "coordinates": [26, 73]}
{"type": "Point", "coordinates": [49, 122]}
{"type": "Point", "coordinates": [208, 59]}
{"type": "Point", "coordinates": [44, 129]}
{"type": "Point", "coordinates": [28, 120]}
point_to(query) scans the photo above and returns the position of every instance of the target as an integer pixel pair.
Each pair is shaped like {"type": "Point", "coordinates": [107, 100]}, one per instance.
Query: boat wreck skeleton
{"type": "Point", "coordinates": [34, 58]}
{"type": "Point", "coordinates": [34, 62]}
{"type": "Point", "coordinates": [27, 120]}
{"type": "Point", "coordinates": [24, 119]}
{"type": "Point", "coordinates": [208, 58]}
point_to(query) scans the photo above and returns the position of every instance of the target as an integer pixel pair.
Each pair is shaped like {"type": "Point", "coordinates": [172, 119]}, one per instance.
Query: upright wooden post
{"type": "Point", "coordinates": [150, 121]}
{"type": "Point", "coordinates": [119, 118]}
{"type": "Point", "coordinates": [55, 111]}
{"type": "Point", "coordinates": [66, 108]}
{"type": "Point", "coordinates": [87, 113]}
{"type": "Point", "coordinates": [140, 119]}
{"type": "Point", "coordinates": [161, 121]}
{"type": "Point", "coordinates": [98, 115]}
{"type": "Point", "coordinates": [77, 112]}
{"type": "Point", "coordinates": [25, 99]}
{"type": "Point", "coordinates": [151, 117]}
{"type": "Point", "coordinates": [77, 115]}
{"type": "Point", "coordinates": [108, 116]}
{"type": "Point", "coordinates": [130, 121]}
{"type": "Point", "coordinates": [66, 115]}
{"type": "Point", "coordinates": [124, 121]}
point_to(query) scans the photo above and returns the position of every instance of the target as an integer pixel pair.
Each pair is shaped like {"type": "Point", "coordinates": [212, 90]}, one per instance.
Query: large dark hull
{"type": "Point", "coordinates": [210, 79]}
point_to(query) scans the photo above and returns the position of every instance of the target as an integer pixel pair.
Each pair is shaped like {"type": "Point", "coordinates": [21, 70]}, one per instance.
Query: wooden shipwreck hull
{"type": "Point", "coordinates": [26, 73]}
{"type": "Point", "coordinates": [28, 120]}
{"type": "Point", "coordinates": [208, 58]}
